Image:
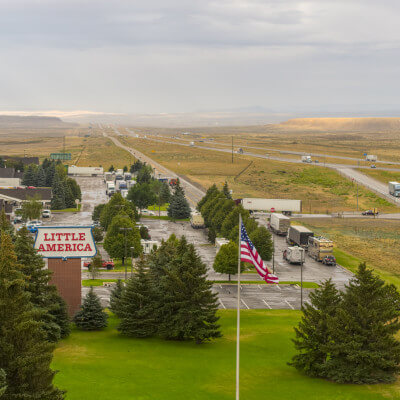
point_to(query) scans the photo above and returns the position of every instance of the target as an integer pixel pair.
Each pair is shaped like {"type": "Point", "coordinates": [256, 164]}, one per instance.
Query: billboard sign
{"type": "Point", "coordinates": [65, 242]}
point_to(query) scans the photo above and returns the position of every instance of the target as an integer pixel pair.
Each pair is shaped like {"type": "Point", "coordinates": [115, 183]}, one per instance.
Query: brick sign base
{"type": "Point", "coordinates": [67, 278]}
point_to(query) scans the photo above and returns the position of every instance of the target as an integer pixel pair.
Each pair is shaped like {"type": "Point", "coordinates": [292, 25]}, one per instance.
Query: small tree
{"type": "Point", "coordinates": [95, 265]}
{"type": "Point", "coordinates": [125, 169]}
{"type": "Point", "coordinates": [165, 193]}
{"type": "Point", "coordinates": [312, 333]}
{"type": "Point", "coordinates": [144, 175]}
{"type": "Point", "coordinates": [226, 260]}
{"type": "Point", "coordinates": [115, 297]}
{"type": "Point", "coordinates": [226, 191]}
{"type": "Point", "coordinates": [178, 207]}
{"type": "Point", "coordinates": [142, 195]}
{"type": "Point", "coordinates": [97, 234]}
{"type": "Point", "coordinates": [111, 169]}
{"type": "Point", "coordinates": [144, 232]}
{"type": "Point", "coordinates": [262, 240]}
{"type": "Point", "coordinates": [58, 199]}
{"type": "Point", "coordinates": [136, 307]}
{"type": "Point", "coordinates": [91, 316]}
{"type": "Point", "coordinates": [97, 212]}
{"type": "Point", "coordinates": [3, 383]}
{"type": "Point", "coordinates": [59, 311]}
{"type": "Point", "coordinates": [31, 209]}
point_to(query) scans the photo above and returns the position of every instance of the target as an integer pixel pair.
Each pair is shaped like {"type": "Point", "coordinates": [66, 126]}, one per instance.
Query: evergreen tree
{"type": "Point", "coordinates": [25, 353]}
{"type": "Point", "coordinates": [226, 191]}
{"type": "Point", "coordinates": [111, 169]}
{"type": "Point", "coordinates": [262, 240]}
{"type": "Point", "coordinates": [2, 163]}
{"type": "Point", "coordinates": [226, 260]}
{"type": "Point", "coordinates": [362, 346]}
{"type": "Point", "coordinates": [232, 220]}
{"type": "Point", "coordinates": [210, 207]}
{"type": "Point", "coordinates": [41, 177]}
{"type": "Point", "coordinates": [59, 311]}
{"type": "Point", "coordinates": [30, 178]}
{"type": "Point", "coordinates": [116, 205]}
{"type": "Point", "coordinates": [136, 307]}
{"type": "Point", "coordinates": [189, 308]}
{"type": "Point", "coordinates": [165, 193]}
{"type": "Point", "coordinates": [5, 225]}
{"type": "Point", "coordinates": [97, 234]}
{"type": "Point", "coordinates": [75, 188]}
{"type": "Point", "coordinates": [211, 191]}
{"type": "Point", "coordinates": [178, 207]}
{"type": "Point", "coordinates": [68, 195]}
{"type": "Point", "coordinates": [58, 199]}
{"type": "Point", "coordinates": [125, 169]}
{"type": "Point", "coordinates": [50, 173]}
{"type": "Point", "coordinates": [91, 316]}
{"type": "Point", "coordinates": [37, 277]}
{"type": "Point", "coordinates": [3, 383]}
{"type": "Point", "coordinates": [97, 212]}
{"type": "Point", "coordinates": [115, 297]}
{"type": "Point", "coordinates": [144, 174]}
{"type": "Point", "coordinates": [221, 214]}
{"type": "Point", "coordinates": [312, 333]}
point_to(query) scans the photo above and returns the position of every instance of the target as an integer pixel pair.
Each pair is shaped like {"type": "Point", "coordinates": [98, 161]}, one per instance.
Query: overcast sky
{"type": "Point", "coordinates": [151, 56]}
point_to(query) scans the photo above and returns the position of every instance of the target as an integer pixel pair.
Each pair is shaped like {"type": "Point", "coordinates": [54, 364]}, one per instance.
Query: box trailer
{"type": "Point", "coordinates": [394, 189]}
{"type": "Point", "coordinates": [306, 159]}
{"type": "Point", "coordinates": [371, 157]}
{"type": "Point", "coordinates": [319, 248]}
{"type": "Point", "coordinates": [110, 188]}
{"type": "Point", "coordinates": [197, 221]}
{"type": "Point", "coordinates": [85, 171]}
{"type": "Point", "coordinates": [299, 235]}
{"type": "Point", "coordinates": [284, 206]}
{"type": "Point", "coordinates": [279, 224]}
{"type": "Point", "coordinates": [294, 255]}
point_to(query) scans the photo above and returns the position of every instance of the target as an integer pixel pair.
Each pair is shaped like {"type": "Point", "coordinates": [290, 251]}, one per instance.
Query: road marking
{"type": "Point", "coordinates": [278, 287]}
{"type": "Point", "coordinates": [222, 304]}
{"type": "Point", "coordinates": [289, 304]}
{"type": "Point", "coordinates": [245, 304]}
{"type": "Point", "coordinates": [259, 286]}
{"type": "Point", "coordinates": [267, 304]}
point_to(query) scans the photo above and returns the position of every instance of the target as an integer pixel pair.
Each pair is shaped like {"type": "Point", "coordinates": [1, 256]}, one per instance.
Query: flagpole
{"type": "Point", "coordinates": [238, 314]}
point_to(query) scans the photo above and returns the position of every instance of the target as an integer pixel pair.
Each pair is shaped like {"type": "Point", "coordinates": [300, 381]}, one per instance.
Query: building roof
{"type": "Point", "coordinates": [43, 194]}
{"type": "Point", "coordinates": [10, 173]}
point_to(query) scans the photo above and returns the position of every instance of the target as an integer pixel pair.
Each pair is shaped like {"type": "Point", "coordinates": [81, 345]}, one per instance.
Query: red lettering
{"type": "Point", "coordinates": [74, 247]}
{"type": "Point", "coordinates": [82, 236]}
{"type": "Point", "coordinates": [60, 247]}
{"type": "Point", "coordinates": [67, 235]}
{"type": "Point", "coordinates": [74, 237]}
{"type": "Point", "coordinates": [79, 247]}
{"type": "Point", "coordinates": [67, 247]}
{"type": "Point", "coordinates": [41, 248]}
{"type": "Point", "coordinates": [87, 247]}
{"type": "Point", "coordinates": [46, 238]}
{"type": "Point", "coordinates": [51, 247]}
{"type": "Point", "coordinates": [59, 236]}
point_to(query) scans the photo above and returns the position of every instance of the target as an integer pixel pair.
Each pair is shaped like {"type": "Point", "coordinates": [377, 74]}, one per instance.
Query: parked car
{"type": "Point", "coordinates": [329, 260]}
{"type": "Point", "coordinates": [32, 225]}
{"type": "Point", "coordinates": [46, 214]}
{"type": "Point", "coordinates": [147, 212]}
{"type": "Point", "coordinates": [17, 219]}
{"type": "Point", "coordinates": [370, 212]}
{"type": "Point", "coordinates": [106, 264]}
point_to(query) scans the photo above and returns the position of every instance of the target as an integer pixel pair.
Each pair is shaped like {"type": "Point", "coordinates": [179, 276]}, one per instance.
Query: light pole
{"type": "Point", "coordinates": [301, 286]}
{"type": "Point", "coordinates": [273, 254]}
{"type": "Point", "coordinates": [125, 230]}
{"type": "Point", "coordinates": [132, 252]}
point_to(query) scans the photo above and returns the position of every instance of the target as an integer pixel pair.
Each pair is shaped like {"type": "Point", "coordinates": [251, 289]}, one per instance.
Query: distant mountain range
{"type": "Point", "coordinates": [32, 122]}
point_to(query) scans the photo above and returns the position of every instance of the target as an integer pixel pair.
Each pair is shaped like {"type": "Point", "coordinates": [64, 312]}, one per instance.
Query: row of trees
{"type": "Point", "coordinates": [349, 336]}
{"type": "Point", "coordinates": [53, 174]}
{"type": "Point", "coordinates": [221, 217]}
{"type": "Point", "coordinates": [168, 296]}
{"type": "Point", "coordinates": [33, 317]}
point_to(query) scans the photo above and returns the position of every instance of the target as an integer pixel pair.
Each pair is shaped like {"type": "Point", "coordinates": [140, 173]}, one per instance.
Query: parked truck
{"type": "Point", "coordinates": [306, 159]}
{"type": "Point", "coordinates": [319, 248]}
{"type": "Point", "coordinates": [109, 177]}
{"type": "Point", "coordinates": [197, 221]}
{"type": "Point", "coordinates": [371, 157]}
{"type": "Point", "coordinates": [394, 189]}
{"type": "Point", "coordinates": [110, 188]}
{"type": "Point", "coordinates": [279, 224]}
{"type": "Point", "coordinates": [284, 206]}
{"type": "Point", "coordinates": [294, 255]}
{"type": "Point", "coordinates": [299, 235]}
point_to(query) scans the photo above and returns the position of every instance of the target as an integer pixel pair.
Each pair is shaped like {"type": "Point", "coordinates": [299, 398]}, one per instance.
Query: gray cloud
{"type": "Point", "coordinates": [169, 55]}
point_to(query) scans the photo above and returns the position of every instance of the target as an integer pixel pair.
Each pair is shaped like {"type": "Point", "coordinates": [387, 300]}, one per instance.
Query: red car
{"type": "Point", "coordinates": [106, 264]}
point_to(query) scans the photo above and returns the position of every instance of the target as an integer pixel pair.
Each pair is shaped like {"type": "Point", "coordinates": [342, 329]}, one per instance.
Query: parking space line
{"type": "Point", "coordinates": [278, 287]}
{"type": "Point", "coordinates": [259, 287]}
{"type": "Point", "coordinates": [222, 304]}
{"type": "Point", "coordinates": [245, 304]}
{"type": "Point", "coordinates": [266, 304]}
{"type": "Point", "coordinates": [289, 304]}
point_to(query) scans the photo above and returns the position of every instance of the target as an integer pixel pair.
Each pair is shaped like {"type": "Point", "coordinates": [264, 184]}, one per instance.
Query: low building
{"type": "Point", "coordinates": [148, 245]}
{"type": "Point", "coordinates": [16, 196]}
{"type": "Point", "coordinates": [9, 177]}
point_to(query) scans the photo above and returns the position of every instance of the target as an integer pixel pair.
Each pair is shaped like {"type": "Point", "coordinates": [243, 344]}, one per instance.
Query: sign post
{"type": "Point", "coordinates": [64, 247]}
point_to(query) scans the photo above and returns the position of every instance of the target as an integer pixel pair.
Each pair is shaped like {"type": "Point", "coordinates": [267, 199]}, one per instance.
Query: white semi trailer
{"type": "Point", "coordinates": [371, 157]}
{"type": "Point", "coordinates": [306, 159]}
{"type": "Point", "coordinates": [279, 223]}
{"type": "Point", "coordinates": [394, 189]}
{"type": "Point", "coordinates": [85, 171]}
{"type": "Point", "coordinates": [284, 206]}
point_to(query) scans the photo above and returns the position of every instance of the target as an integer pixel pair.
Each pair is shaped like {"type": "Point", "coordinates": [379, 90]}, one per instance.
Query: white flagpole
{"type": "Point", "coordinates": [238, 314]}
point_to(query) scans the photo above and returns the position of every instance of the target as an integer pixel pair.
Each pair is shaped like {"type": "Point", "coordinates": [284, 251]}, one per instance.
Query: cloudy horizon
{"type": "Point", "coordinates": [174, 56]}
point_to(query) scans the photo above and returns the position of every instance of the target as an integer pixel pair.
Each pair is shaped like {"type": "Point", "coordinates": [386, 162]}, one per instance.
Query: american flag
{"type": "Point", "coordinates": [249, 254]}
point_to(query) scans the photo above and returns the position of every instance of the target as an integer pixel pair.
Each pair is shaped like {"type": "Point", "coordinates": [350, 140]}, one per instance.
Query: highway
{"type": "Point", "coordinates": [193, 194]}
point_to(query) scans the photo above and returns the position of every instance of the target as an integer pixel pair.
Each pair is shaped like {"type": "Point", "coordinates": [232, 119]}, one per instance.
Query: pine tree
{"type": "Point", "coordinates": [137, 307]}
{"type": "Point", "coordinates": [43, 296]}
{"type": "Point", "coordinates": [68, 195]}
{"type": "Point", "coordinates": [211, 191]}
{"type": "Point", "coordinates": [50, 173]}
{"type": "Point", "coordinates": [59, 311]}
{"type": "Point", "coordinates": [58, 199]}
{"type": "Point", "coordinates": [178, 207]}
{"type": "Point", "coordinates": [30, 178]}
{"type": "Point", "coordinates": [115, 297]}
{"type": "Point", "coordinates": [312, 333]}
{"type": "Point", "coordinates": [362, 346]}
{"type": "Point", "coordinates": [188, 310]}
{"type": "Point", "coordinates": [165, 193]}
{"type": "Point", "coordinates": [232, 220]}
{"type": "Point", "coordinates": [3, 383]}
{"type": "Point", "coordinates": [25, 353]}
{"type": "Point", "coordinates": [41, 177]}
{"type": "Point", "coordinates": [91, 316]}
{"type": "Point", "coordinates": [5, 225]}
{"type": "Point", "coordinates": [226, 191]}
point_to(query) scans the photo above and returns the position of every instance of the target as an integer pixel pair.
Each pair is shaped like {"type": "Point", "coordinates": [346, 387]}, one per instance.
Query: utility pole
{"type": "Point", "coordinates": [232, 149]}
{"type": "Point", "coordinates": [357, 196]}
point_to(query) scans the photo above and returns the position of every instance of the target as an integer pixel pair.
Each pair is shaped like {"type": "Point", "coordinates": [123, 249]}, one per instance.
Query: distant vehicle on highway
{"type": "Point", "coordinates": [373, 166]}
{"type": "Point", "coordinates": [306, 159]}
{"type": "Point", "coordinates": [370, 212]}
{"type": "Point", "coordinates": [329, 260]}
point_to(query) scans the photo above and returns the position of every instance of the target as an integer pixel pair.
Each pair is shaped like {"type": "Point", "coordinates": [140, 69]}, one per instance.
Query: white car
{"type": "Point", "coordinates": [46, 214]}
{"type": "Point", "coordinates": [146, 212]}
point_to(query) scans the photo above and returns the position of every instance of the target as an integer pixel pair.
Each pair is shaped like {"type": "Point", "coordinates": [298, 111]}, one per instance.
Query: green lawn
{"type": "Point", "coordinates": [104, 365]}
{"type": "Point", "coordinates": [74, 209]}
{"type": "Point", "coordinates": [154, 207]}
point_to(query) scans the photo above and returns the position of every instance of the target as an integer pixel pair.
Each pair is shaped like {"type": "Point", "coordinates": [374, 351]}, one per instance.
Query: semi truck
{"type": "Point", "coordinates": [371, 157]}
{"type": "Point", "coordinates": [284, 206]}
{"type": "Point", "coordinates": [122, 185]}
{"type": "Point", "coordinates": [394, 189]}
{"type": "Point", "coordinates": [319, 248]}
{"type": "Point", "coordinates": [294, 255]}
{"type": "Point", "coordinates": [85, 171]}
{"type": "Point", "coordinates": [299, 235]}
{"type": "Point", "coordinates": [306, 159]}
{"type": "Point", "coordinates": [110, 188]}
{"type": "Point", "coordinates": [197, 221]}
{"type": "Point", "coordinates": [279, 224]}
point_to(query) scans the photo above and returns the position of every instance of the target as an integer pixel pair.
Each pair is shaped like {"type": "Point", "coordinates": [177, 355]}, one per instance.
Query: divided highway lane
{"type": "Point", "coordinates": [193, 194]}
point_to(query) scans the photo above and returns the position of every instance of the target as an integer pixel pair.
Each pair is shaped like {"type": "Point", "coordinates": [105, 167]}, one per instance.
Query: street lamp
{"type": "Point", "coordinates": [132, 252]}
{"type": "Point", "coordinates": [125, 230]}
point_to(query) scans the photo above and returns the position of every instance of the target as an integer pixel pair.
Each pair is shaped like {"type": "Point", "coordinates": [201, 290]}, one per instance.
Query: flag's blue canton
{"type": "Point", "coordinates": [246, 238]}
